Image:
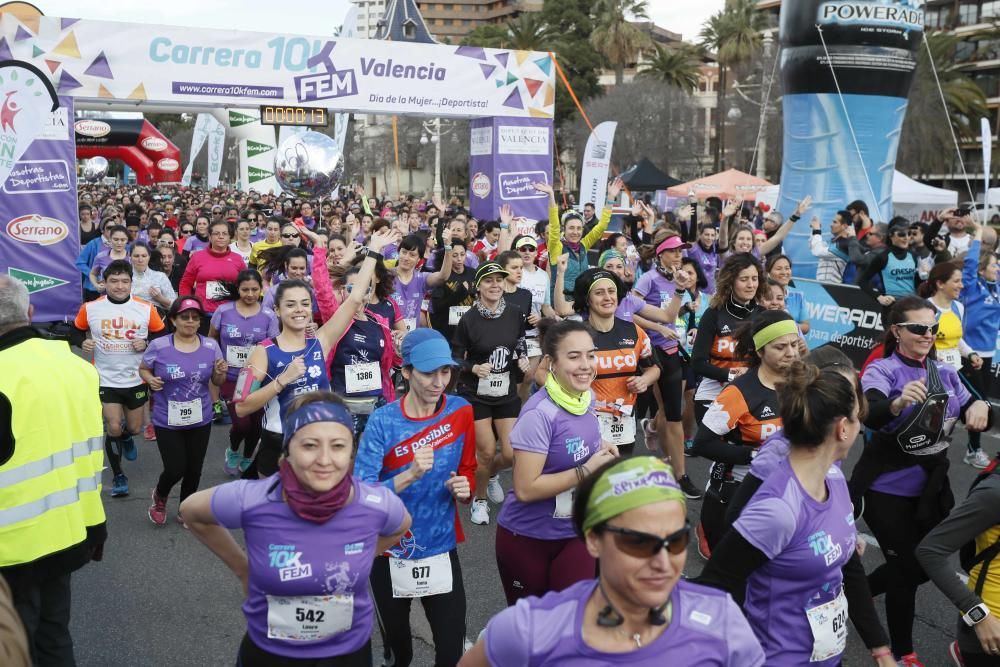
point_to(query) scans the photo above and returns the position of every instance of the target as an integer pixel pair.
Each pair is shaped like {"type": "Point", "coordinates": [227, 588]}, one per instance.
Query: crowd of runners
{"type": "Point", "coordinates": [379, 363]}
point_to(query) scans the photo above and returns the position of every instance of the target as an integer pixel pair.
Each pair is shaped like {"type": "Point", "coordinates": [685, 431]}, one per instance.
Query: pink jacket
{"type": "Point", "coordinates": [208, 266]}
{"type": "Point", "coordinates": [328, 305]}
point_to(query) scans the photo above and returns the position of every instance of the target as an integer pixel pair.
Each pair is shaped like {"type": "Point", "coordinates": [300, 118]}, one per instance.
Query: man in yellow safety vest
{"type": "Point", "coordinates": [51, 456]}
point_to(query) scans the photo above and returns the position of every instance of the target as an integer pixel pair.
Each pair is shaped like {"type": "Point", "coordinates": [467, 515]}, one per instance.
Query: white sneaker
{"type": "Point", "coordinates": [977, 459]}
{"type": "Point", "coordinates": [494, 491]}
{"type": "Point", "coordinates": [480, 512]}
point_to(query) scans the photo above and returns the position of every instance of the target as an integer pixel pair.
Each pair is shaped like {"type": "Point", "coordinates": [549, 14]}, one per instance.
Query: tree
{"type": "Point", "coordinates": [648, 128]}
{"type": "Point", "coordinates": [617, 38]}
{"type": "Point", "coordinates": [926, 144]}
{"type": "Point", "coordinates": [490, 36]}
{"type": "Point", "coordinates": [734, 34]}
{"type": "Point", "coordinates": [528, 32]}
{"type": "Point", "coordinates": [678, 66]}
{"type": "Point", "coordinates": [571, 21]}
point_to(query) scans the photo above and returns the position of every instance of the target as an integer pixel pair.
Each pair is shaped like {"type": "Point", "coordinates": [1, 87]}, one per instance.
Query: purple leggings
{"type": "Point", "coordinates": [529, 566]}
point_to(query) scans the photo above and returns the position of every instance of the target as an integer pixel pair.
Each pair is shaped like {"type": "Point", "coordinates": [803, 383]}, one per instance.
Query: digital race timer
{"type": "Point", "coordinates": [301, 116]}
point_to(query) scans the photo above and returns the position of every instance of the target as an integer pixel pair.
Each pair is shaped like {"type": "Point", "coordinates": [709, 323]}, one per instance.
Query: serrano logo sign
{"type": "Point", "coordinates": [92, 128]}
{"type": "Point", "coordinates": [168, 164]}
{"type": "Point", "coordinates": [154, 144]}
{"type": "Point", "coordinates": [37, 230]}
{"type": "Point", "coordinates": [481, 185]}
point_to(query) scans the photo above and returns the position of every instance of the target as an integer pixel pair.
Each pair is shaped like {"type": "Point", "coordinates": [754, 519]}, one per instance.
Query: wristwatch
{"type": "Point", "coordinates": [976, 614]}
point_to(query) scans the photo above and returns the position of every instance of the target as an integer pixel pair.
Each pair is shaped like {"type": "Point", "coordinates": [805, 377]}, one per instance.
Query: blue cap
{"type": "Point", "coordinates": [426, 350]}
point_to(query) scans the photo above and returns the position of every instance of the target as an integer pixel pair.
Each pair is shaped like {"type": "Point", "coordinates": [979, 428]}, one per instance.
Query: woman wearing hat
{"type": "Point", "coordinates": [666, 287]}
{"type": "Point", "coordinates": [639, 611]}
{"type": "Point", "coordinates": [536, 281]}
{"type": "Point", "coordinates": [179, 368]}
{"type": "Point", "coordinates": [490, 349]}
{"type": "Point", "coordinates": [311, 534]}
{"type": "Point", "coordinates": [572, 242]}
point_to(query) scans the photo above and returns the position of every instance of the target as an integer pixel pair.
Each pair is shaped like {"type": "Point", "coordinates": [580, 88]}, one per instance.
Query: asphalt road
{"type": "Point", "coordinates": [159, 598]}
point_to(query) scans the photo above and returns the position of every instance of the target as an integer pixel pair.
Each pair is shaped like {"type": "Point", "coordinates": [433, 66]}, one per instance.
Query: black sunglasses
{"type": "Point", "coordinates": [187, 232]}
{"type": "Point", "coordinates": [527, 248]}
{"type": "Point", "coordinates": [289, 236]}
{"type": "Point", "coordinates": [919, 329]}
{"type": "Point", "coordinates": [643, 545]}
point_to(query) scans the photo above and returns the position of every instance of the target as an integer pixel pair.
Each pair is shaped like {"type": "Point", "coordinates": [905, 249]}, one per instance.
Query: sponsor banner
{"type": "Point", "coordinates": [238, 68]}
{"type": "Point", "coordinates": [216, 144]}
{"type": "Point", "coordinates": [596, 165]}
{"type": "Point", "coordinates": [26, 102]}
{"type": "Point", "coordinates": [198, 138]}
{"type": "Point", "coordinates": [510, 156]}
{"type": "Point", "coordinates": [39, 229]}
{"type": "Point", "coordinates": [845, 316]}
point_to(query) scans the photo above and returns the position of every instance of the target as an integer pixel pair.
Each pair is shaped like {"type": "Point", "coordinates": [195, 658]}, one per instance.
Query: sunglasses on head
{"type": "Point", "coordinates": [643, 545]}
{"type": "Point", "coordinates": [289, 236]}
{"type": "Point", "coordinates": [918, 329]}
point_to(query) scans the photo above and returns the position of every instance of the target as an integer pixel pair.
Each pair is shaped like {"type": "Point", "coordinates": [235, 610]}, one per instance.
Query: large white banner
{"type": "Point", "coordinates": [596, 163]}
{"type": "Point", "coordinates": [104, 60]}
{"type": "Point", "coordinates": [216, 144]}
{"type": "Point", "coordinates": [201, 125]}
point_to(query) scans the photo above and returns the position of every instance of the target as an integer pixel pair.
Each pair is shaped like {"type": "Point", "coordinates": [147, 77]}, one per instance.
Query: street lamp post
{"type": "Point", "coordinates": [433, 131]}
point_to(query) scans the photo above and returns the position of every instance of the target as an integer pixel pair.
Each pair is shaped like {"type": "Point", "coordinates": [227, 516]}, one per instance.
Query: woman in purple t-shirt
{"type": "Point", "coordinates": [901, 480]}
{"type": "Point", "coordinates": [640, 611]}
{"type": "Point", "coordinates": [557, 443]}
{"type": "Point", "coordinates": [792, 550]}
{"type": "Point", "coordinates": [179, 368]}
{"type": "Point", "coordinates": [238, 326]}
{"type": "Point", "coordinates": [312, 532]}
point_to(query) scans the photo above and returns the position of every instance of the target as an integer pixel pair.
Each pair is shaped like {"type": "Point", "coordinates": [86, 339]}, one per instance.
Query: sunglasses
{"type": "Point", "coordinates": [189, 316]}
{"type": "Point", "coordinates": [644, 545]}
{"type": "Point", "coordinates": [903, 234]}
{"type": "Point", "coordinates": [918, 329]}
{"type": "Point", "coordinates": [187, 232]}
{"type": "Point", "coordinates": [527, 248]}
{"type": "Point", "coordinates": [289, 236]}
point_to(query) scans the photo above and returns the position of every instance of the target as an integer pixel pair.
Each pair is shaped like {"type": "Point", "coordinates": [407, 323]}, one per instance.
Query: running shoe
{"type": "Point", "coordinates": [648, 427]}
{"type": "Point", "coordinates": [688, 444]}
{"type": "Point", "coordinates": [688, 487]}
{"type": "Point", "coordinates": [245, 464]}
{"type": "Point", "coordinates": [480, 512]}
{"type": "Point", "coordinates": [494, 491]}
{"type": "Point", "coordinates": [956, 655]}
{"type": "Point", "coordinates": [149, 433]}
{"type": "Point", "coordinates": [129, 450]}
{"type": "Point", "coordinates": [231, 466]}
{"type": "Point", "coordinates": [119, 487]}
{"type": "Point", "coordinates": [910, 660]}
{"type": "Point", "coordinates": [158, 510]}
{"type": "Point", "coordinates": [217, 412]}
{"type": "Point", "coordinates": [703, 549]}
{"type": "Point", "coordinates": [977, 459]}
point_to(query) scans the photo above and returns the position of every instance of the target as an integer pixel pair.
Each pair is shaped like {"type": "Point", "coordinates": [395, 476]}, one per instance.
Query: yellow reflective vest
{"type": "Point", "coordinates": [50, 489]}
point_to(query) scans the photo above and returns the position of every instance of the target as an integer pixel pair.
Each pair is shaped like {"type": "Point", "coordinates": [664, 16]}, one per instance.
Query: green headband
{"type": "Point", "coordinates": [773, 331]}
{"type": "Point", "coordinates": [609, 254]}
{"type": "Point", "coordinates": [632, 483]}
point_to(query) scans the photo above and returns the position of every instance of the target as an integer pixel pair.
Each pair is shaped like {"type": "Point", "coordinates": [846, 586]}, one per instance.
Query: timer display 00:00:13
{"type": "Point", "coordinates": [301, 116]}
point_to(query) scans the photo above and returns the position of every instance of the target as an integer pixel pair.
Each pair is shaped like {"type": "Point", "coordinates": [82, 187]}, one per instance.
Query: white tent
{"type": "Point", "coordinates": [911, 199]}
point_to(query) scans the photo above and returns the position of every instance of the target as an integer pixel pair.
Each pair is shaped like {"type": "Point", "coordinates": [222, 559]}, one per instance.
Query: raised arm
{"type": "Point", "coordinates": [439, 276]}
{"type": "Point", "coordinates": [779, 236]}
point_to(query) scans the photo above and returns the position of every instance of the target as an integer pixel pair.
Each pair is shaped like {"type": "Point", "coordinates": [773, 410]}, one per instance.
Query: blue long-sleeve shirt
{"type": "Point", "coordinates": [85, 261]}
{"type": "Point", "coordinates": [982, 305]}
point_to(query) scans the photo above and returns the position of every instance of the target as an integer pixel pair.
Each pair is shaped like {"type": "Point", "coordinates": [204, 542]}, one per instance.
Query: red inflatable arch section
{"type": "Point", "coordinates": [133, 141]}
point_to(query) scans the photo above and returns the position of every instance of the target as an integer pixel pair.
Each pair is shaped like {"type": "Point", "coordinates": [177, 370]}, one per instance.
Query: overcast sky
{"type": "Point", "coordinates": [316, 17]}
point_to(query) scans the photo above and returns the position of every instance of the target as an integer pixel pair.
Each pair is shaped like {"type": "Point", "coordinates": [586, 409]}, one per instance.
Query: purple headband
{"type": "Point", "coordinates": [321, 411]}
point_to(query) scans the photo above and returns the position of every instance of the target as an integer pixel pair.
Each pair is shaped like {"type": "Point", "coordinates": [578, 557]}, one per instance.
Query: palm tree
{"type": "Point", "coordinates": [734, 34]}
{"type": "Point", "coordinates": [678, 67]}
{"type": "Point", "coordinates": [528, 32]}
{"type": "Point", "coordinates": [615, 37]}
{"type": "Point", "coordinates": [926, 146]}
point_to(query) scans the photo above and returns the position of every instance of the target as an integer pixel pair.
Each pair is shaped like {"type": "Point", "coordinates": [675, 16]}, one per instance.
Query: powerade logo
{"type": "Point", "coordinates": [865, 319]}
{"type": "Point", "coordinates": [900, 15]}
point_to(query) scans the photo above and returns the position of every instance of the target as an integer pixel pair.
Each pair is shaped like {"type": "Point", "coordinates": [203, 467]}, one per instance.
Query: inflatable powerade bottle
{"type": "Point", "coordinates": [872, 47]}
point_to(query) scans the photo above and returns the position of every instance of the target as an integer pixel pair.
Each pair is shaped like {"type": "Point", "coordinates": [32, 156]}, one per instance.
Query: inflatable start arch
{"type": "Point", "coordinates": [133, 141]}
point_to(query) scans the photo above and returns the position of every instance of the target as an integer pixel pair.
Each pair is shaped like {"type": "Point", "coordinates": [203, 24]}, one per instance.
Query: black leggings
{"type": "Point", "coordinates": [445, 613]}
{"type": "Point", "coordinates": [891, 519]}
{"type": "Point", "coordinates": [183, 454]}
{"type": "Point", "coordinates": [980, 382]}
{"type": "Point", "coordinates": [251, 655]}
